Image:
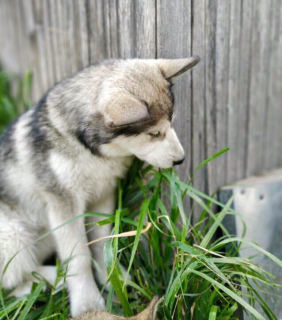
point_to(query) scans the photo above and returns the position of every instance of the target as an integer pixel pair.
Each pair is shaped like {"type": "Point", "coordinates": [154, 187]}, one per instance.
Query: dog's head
{"type": "Point", "coordinates": [137, 106]}
{"type": "Point", "coordinates": [122, 108]}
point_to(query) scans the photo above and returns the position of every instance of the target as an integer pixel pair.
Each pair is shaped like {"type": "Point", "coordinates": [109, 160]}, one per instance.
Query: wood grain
{"type": "Point", "coordinates": [210, 92]}
{"type": "Point", "coordinates": [233, 99]}
{"type": "Point", "coordinates": [278, 134]}
{"type": "Point", "coordinates": [244, 87]}
{"type": "Point", "coordinates": [111, 29]}
{"type": "Point", "coordinates": [127, 28]}
{"type": "Point", "coordinates": [258, 85]}
{"type": "Point", "coordinates": [221, 86]}
{"type": "Point", "coordinates": [145, 29]}
{"type": "Point", "coordinates": [271, 143]}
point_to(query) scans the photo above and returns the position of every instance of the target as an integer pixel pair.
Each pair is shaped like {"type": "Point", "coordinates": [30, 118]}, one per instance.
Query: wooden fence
{"type": "Point", "coordinates": [232, 98]}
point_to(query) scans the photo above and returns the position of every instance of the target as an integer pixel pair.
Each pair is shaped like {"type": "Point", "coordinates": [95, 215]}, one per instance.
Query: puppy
{"type": "Point", "coordinates": [63, 157]}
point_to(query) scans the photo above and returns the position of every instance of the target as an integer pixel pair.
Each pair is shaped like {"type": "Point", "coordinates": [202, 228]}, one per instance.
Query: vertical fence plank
{"type": "Point", "coordinates": [14, 27]}
{"type": "Point", "coordinates": [234, 100]}
{"type": "Point", "coordinates": [221, 86]}
{"type": "Point", "coordinates": [71, 49]}
{"type": "Point", "coordinates": [34, 63]}
{"type": "Point", "coordinates": [273, 104]}
{"type": "Point", "coordinates": [54, 32]}
{"type": "Point", "coordinates": [45, 38]}
{"type": "Point", "coordinates": [127, 28]}
{"type": "Point", "coordinates": [10, 50]}
{"type": "Point", "coordinates": [111, 29]}
{"type": "Point", "coordinates": [29, 34]}
{"type": "Point", "coordinates": [43, 45]}
{"type": "Point", "coordinates": [146, 27]}
{"type": "Point", "coordinates": [198, 102]}
{"type": "Point", "coordinates": [279, 85]}
{"type": "Point", "coordinates": [5, 31]}
{"type": "Point", "coordinates": [136, 22]}
{"type": "Point", "coordinates": [210, 101]}
{"type": "Point", "coordinates": [3, 20]}
{"type": "Point", "coordinates": [244, 86]}
{"type": "Point", "coordinates": [81, 34]}
{"type": "Point", "coordinates": [20, 34]}
{"type": "Point", "coordinates": [259, 76]}
{"type": "Point", "coordinates": [62, 38]}
{"type": "Point", "coordinates": [174, 19]}
{"type": "Point", "coordinates": [97, 42]}
{"type": "Point", "coordinates": [29, 54]}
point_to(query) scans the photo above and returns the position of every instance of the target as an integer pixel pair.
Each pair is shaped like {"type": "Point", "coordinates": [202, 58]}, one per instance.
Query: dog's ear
{"type": "Point", "coordinates": [172, 68]}
{"type": "Point", "coordinates": [125, 111]}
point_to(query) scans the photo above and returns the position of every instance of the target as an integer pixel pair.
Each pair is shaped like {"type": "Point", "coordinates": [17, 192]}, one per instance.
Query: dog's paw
{"type": "Point", "coordinates": [87, 302]}
{"type": "Point", "coordinates": [21, 290]}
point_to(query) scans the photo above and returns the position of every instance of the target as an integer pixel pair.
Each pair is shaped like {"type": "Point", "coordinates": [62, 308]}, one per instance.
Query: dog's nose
{"type": "Point", "coordinates": [175, 163]}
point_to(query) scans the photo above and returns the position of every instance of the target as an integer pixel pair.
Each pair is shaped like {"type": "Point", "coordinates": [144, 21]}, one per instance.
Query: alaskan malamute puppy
{"type": "Point", "coordinates": [62, 158]}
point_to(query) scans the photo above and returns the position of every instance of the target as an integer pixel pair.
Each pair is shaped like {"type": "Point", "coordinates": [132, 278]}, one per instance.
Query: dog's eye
{"type": "Point", "coordinates": [155, 134]}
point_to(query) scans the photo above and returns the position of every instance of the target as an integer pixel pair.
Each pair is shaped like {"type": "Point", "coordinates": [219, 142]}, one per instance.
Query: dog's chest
{"type": "Point", "coordinates": [89, 176]}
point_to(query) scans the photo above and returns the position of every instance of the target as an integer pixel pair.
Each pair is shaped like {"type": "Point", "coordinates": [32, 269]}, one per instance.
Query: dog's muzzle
{"type": "Point", "coordinates": [175, 163]}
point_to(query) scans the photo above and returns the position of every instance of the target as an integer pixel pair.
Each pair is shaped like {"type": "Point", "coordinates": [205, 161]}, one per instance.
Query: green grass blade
{"type": "Point", "coordinates": [19, 310]}
{"type": "Point", "coordinates": [143, 213]}
{"type": "Point", "coordinates": [216, 155]}
{"type": "Point", "coordinates": [232, 294]}
{"type": "Point", "coordinates": [31, 300]}
{"type": "Point", "coordinates": [213, 312]}
{"type": "Point", "coordinates": [216, 224]}
{"type": "Point", "coordinates": [114, 275]}
{"type": "Point", "coordinates": [251, 244]}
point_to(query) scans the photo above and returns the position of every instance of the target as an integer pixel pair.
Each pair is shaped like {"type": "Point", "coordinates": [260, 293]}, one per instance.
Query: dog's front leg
{"type": "Point", "coordinates": [106, 205]}
{"type": "Point", "coordinates": [70, 242]}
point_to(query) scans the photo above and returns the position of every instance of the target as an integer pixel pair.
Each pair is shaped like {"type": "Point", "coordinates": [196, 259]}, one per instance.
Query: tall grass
{"type": "Point", "coordinates": [15, 96]}
{"type": "Point", "coordinates": [198, 274]}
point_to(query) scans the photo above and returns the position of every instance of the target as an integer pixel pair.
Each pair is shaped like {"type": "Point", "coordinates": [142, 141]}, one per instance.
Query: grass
{"type": "Point", "coordinates": [198, 274]}
{"type": "Point", "coordinates": [15, 96]}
